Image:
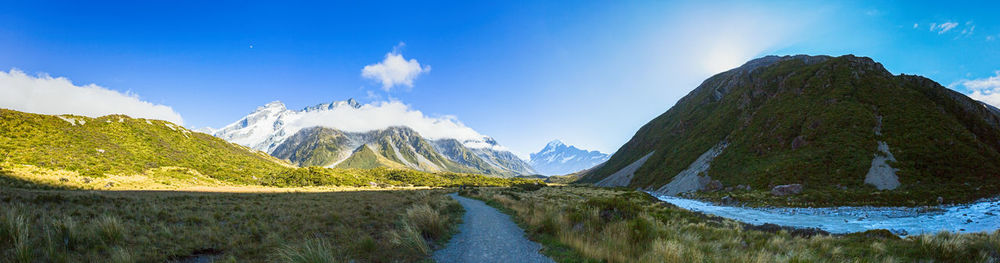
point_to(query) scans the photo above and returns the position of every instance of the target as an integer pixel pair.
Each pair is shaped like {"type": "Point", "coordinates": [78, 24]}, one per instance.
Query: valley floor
{"type": "Point", "coordinates": [157, 226]}
{"type": "Point", "coordinates": [585, 224]}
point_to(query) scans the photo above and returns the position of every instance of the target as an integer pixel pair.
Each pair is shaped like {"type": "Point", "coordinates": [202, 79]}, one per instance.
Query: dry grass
{"type": "Point", "coordinates": [157, 226]}
{"type": "Point", "coordinates": [596, 224]}
{"type": "Point", "coordinates": [158, 179]}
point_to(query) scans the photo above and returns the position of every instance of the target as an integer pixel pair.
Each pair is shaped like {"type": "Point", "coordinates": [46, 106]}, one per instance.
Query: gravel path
{"type": "Point", "coordinates": [486, 235]}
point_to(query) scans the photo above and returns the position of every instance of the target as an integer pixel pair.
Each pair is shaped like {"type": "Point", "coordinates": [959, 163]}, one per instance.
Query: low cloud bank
{"type": "Point", "coordinates": [985, 89]}
{"type": "Point", "coordinates": [44, 94]}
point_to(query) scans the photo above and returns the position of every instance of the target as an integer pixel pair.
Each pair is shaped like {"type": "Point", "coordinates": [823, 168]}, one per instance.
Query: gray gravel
{"type": "Point", "coordinates": [486, 235]}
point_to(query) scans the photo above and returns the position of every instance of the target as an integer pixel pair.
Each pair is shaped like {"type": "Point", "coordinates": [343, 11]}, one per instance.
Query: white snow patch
{"type": "Point", "coordinates": [624, 176]}
{"type": "Point", "coordinates": [67, 119]}
{"type": "Point", "coordinates": [690, 179]}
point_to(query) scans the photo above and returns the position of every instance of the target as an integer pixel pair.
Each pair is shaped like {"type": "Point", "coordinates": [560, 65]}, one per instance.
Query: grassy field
{"type": "Point", "coordinates": [583, 224]}
{"type": "Point", "coordinates": [157, 226]}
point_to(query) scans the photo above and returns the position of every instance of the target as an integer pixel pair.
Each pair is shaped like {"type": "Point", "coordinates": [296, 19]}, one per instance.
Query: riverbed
{"type": "Point", "coordinates": [979, 216]}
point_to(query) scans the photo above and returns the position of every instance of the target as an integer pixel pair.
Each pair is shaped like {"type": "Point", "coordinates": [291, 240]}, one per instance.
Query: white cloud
{"type": "Point", "coordinates": [985, 89]}
{"type": "Point", "coordinates": [381, 115]}
{"type": "Point", "coordinates": [47, 95]}
{"type": "Point", "coordinates": [915, 25]}
{"type": "Point", "coordinates": [395, 70]}
{"type": "Point", "coordinates": [943, 27]}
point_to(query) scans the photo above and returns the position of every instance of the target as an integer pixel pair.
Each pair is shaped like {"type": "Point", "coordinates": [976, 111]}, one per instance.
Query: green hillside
{"type": "Point", "coordinates": [365, 158]}
{"type": "Point", "coordinates": [118, 144]}
{"type": "Point", "coordinates": [818, 121]}
{"type": "Point", "coordinates": [317, 146]}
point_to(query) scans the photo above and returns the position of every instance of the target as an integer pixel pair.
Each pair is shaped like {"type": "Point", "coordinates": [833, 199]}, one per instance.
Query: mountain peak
{"type": "Point", "coordinates": [277, 105]}
{"type": "Point", "coordinates": [351, 102]}
{"type": "Point", "coordinates": [557, 158]}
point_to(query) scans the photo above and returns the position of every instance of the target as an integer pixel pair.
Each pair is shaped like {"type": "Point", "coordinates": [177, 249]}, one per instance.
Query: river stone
{"type": "Point", "coordinates": [786, 189]}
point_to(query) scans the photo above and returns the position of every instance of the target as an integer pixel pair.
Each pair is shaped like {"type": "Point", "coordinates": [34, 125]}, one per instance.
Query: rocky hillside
{"type": "Point", "coordinates": [841, 127]}
{"type": "Point", "coordinates": [557, 158]}
{"type": "Point", "coordinates": [118, 144]}
{"type": "Point", "coordinates": [394, 147]}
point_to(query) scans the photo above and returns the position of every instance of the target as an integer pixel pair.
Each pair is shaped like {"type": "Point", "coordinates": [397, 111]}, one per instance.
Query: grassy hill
{"type": "Point", "coordinates": [118, 144]}
{"type": "Point", "coordinates": [818, 121]}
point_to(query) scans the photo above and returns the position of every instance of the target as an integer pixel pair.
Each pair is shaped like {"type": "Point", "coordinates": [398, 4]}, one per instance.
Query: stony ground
{"type": "Point", "coordinates": [486, 235]}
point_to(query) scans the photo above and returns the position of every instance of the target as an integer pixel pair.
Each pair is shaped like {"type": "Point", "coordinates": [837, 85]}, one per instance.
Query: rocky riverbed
{"type": "Point", "coordinates": [980, 216]}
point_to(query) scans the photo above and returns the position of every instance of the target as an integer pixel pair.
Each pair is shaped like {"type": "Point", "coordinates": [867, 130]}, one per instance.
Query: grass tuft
{"type": "Point", "coordinates": [310, 251]}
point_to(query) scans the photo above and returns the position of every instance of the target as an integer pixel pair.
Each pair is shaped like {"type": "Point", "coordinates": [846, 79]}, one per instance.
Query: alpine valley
{"type": "Point", "coordinates": [292, 135]}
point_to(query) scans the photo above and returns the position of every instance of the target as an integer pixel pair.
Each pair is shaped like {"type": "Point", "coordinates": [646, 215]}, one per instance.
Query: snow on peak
{"type": "Point", "coordinates": [274, 105]}
{"type": "Point", "coordinates": [557, 158]}
{"type": "Point", "coordinates": [271, 124]}
{"type": "Point", "coordinates": [333, 105]}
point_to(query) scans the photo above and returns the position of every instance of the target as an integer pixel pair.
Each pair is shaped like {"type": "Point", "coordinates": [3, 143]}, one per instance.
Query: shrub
{"type": "Point", "coordinates": [615, 208]}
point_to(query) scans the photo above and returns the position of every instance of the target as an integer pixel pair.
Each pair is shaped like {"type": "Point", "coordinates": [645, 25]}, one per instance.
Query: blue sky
{"type": "Point", "coordinates": [587, 72]}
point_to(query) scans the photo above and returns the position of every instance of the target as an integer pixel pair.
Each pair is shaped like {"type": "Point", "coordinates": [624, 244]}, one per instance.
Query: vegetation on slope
{"type": "Point", "coordinates": [393, 147]}
{"type": "Point", "coordinates": [582, 224]}
{"type": "Point", "coordinates": [117, 144]}
{"type": "Point", "coordinates": [812, 121]}
{"type": "Point", "coordinates": [316, 146]}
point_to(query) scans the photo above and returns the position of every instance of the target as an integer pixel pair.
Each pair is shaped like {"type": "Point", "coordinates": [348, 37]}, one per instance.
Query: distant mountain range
{"type": "Point", "coordinates": [558, 158]}
{"type": "Point", "coordinates": [268, 129]}
{"type": "Point", "coordinates": [839, 127]}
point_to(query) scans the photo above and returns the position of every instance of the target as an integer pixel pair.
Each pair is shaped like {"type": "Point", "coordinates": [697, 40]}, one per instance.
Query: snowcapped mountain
{"type": "Point", "coordinates": [558, 158]}
{"type": "Point", "coordinates": [348, 134]}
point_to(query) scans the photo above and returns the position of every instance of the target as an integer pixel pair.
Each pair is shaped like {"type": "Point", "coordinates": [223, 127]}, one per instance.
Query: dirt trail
{"type": "Point", "coordinates": [486, 235]}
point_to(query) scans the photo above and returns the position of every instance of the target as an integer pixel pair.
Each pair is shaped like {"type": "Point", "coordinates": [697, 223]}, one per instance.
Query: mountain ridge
{"type": "Point", "coordinates": [818, 121]}
{"type": "Point", "coordinates": [267, 129]}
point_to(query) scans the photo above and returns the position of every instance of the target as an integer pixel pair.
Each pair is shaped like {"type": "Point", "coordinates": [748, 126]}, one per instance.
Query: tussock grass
{"type": "Point", "coordinates": [427, 220]}
{"type": "Point", "coordinates": [310, 251]}
{"type": "Point", "coordinates": [582, 224]}
{"type": "Point", "coordinates": [110, 229]}
{"type": "Point", "coordinates": [408, 239]}
{"type": "Point", "coordinates": [130, 226]}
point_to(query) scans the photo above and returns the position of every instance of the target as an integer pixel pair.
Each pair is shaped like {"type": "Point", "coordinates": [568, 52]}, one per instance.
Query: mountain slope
{"type": "Point", "coordinates": [118, 144]}
{"type": "Point", "coordinates": [395, 147]}
{"type": "Point", "coordinates": [275, 129]}
{"type": "Point", "coordinates": [558, 158]}
{"type": "Point", "coordinates": [830, 124]}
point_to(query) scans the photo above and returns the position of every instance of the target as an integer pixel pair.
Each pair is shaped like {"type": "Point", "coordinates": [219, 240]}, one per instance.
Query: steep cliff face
{"type": "Point", "coordinates": [829, 123]}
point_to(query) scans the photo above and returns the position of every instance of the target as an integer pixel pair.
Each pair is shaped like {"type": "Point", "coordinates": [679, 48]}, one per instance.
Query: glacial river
{"type": "Point", "coordinates": [980, 216]}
